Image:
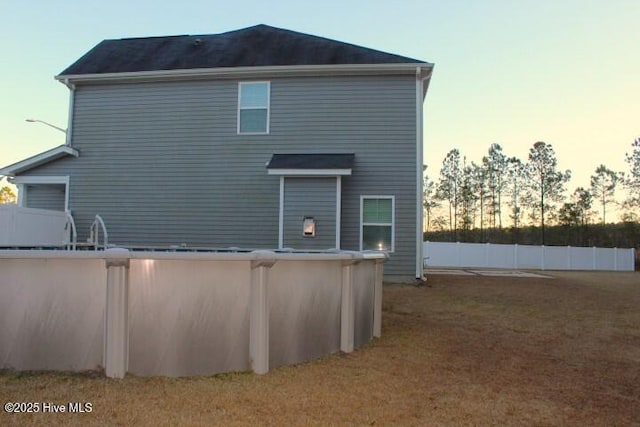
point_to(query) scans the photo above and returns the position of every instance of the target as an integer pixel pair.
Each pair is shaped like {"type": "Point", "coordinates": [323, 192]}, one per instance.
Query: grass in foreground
{"type": "Point", "coordinates": [462, 350]}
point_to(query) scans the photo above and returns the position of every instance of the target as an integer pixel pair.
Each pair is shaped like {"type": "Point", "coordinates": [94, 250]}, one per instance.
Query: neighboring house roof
{"type": "Point", "coordinates": [257, 46]}
{"type": "Point", "coordinates": [39, 159]}
{"type": "Point", "coordinates": [311, 164]}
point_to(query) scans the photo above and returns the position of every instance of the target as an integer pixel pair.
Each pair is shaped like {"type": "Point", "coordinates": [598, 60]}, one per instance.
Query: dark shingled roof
{"type": "Point", "coordinates": [311, 161]}
{"type": "Point", "coordinates": [256, 46]}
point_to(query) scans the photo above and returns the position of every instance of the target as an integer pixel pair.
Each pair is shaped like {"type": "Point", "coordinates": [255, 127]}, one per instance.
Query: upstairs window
{"type": "Point", "coordinates": [253, 107]}
{"type": "Point", "coordinates": [377, 223]}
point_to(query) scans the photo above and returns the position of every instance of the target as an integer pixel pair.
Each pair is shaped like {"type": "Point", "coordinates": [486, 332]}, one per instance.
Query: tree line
{"type": "Point", "coordinates": [504, 193]}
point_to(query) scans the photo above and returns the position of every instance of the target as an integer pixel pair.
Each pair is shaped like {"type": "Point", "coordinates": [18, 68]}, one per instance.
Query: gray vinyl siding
{"type": "Point", "coordinates": [45, 196]}
{"type": "Point", "coordinates": [314, 197]}
{"type": "Point", "coordinates": [163, 164]}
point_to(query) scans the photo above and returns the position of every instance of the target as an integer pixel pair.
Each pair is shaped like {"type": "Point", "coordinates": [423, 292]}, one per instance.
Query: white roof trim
{"type": "Point", "coordinates": [309, 172]}
{"type": "Point", "coordinates": [248, 72]}
{"type": "Point", "coordinates": [39, 159]}
{"type": "Point", "coordinates": [41, 179]}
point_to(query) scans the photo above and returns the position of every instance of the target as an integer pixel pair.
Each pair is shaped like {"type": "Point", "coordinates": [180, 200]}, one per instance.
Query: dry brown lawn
{"type": "Point", "coordinates": [462, 350]}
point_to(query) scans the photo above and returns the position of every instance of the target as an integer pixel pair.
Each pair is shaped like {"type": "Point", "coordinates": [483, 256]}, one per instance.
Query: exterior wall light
{"type": "Point", "coordinates": [309, 227]}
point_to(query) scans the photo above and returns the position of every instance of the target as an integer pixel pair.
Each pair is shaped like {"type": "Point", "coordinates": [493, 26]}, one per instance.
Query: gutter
{"type": "Point", "coordinates": [246, 72]}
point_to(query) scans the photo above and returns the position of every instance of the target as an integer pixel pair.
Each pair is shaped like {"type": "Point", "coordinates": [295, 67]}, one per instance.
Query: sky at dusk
{"type": "Point", "coordinates": [564, 72]}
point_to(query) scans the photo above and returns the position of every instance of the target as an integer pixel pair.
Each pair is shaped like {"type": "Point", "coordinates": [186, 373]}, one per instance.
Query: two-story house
{"type": "Point", "coordinates": [255, 138]}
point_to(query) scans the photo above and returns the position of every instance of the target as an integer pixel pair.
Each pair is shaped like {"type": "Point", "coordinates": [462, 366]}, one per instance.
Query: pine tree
{"type": "Point", "coordinates": [603, 187]}
{"type": "Point", "coordinates": [449, 187]}
{"type": "Point", "coordinates": [546, 182]}
{"type": "Point", "coordinates": [632, 183]}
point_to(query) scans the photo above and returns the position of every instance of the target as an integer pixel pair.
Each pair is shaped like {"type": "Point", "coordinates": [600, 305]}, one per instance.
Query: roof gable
{"type": "Point", "coordinates": [39, 159]}
{"type": "Point", "coordinates": [256, 46]}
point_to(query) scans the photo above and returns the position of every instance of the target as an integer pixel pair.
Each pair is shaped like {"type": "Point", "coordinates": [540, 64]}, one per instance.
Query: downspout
{"type": "Point", "coordinates": [419, 154]}
{"type": "Point", "coordinates": [421, 89]}
{"type": "Point", "coordinates": [72, 93]}
{"type": "Point", "coordinates": [72, 97]}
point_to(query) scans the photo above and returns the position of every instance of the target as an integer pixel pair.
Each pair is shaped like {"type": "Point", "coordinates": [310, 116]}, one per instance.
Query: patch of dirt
{"type": "Point", "coordinates": [456, 350]}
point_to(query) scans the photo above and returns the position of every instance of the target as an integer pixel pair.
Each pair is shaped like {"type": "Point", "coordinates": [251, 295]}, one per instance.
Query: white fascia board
{"type": "Point", "coordinates": [426, 79]}
{"type": "Point", "coordinates": [39, 159]}
{"type": "Point", "coordinates": [41, 179]}
{"type": "Point", "coordinates": [309, 172]}
{"type": "Point", "coordinates": [247, 72]}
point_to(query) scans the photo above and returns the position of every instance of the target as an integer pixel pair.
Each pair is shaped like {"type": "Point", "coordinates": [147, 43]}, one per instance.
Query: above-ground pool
{"type": "Point", "coordinates": [183, 313]}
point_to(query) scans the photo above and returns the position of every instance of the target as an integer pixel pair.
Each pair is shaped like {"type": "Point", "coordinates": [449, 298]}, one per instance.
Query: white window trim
{"type": "Point", "coordinates": [255, 108]}
{"type": "Point", "coordinates": [23, 181]}
{"type": "Point", "coordinates": [393, 218]}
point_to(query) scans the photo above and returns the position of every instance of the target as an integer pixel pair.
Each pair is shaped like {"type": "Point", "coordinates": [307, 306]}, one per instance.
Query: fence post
{"type": "Point", "coordinates": [457, 254]}
{"type": "Point", "coordinates": [593, 251]}
{"type": "Point", "coordinates": [615, 259]}
{"type": "Point", "coordinates": [425, 254]}
{"type": "Point", "coordinates": [259, 311]}
{"type": "Point", "coordinates": [568, 257]}
{"type": "Point", "coordinates": [515, 256]}
{"type": "Point", "coordinates": [116, 326]}
{"type": "Point", "coordinates": [542, 258]}
{"type": "Point", "coordinates": [486, 255]}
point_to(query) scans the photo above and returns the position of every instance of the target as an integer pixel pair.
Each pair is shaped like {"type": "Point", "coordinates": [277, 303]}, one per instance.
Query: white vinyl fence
{"type": "Point", "coordinates": [20, 227]}
{"type": "Point", "coordinates": [488, 255]}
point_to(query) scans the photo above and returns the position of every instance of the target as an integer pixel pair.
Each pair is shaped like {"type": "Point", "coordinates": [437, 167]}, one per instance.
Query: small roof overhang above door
{"type": "Point", "coordinates": [311, 164]}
